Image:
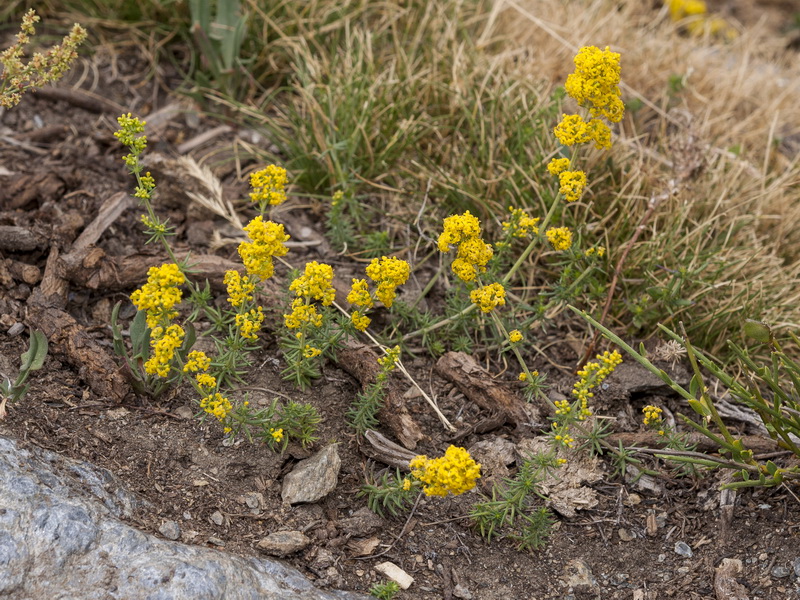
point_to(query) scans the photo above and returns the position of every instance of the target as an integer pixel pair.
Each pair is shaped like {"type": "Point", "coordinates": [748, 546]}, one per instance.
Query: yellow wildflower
{"type": "Point", "coordinates": [206, 381]}
{"type": "Point", "coordinates": [389, 360]}
{"type": "Point", "coordinates": [302, 313]}
{"type": "Point", "coordinates": [652, 414]}
{"type": "Point", "coordinates": [456, 472]}
{"type": "Point", "coordinates": [163, 344]}
{"type": "Point", "coordinates": [316, 283]}
{"type": "Point", "coordinates": [458, 228]}
{"type": "Point", "coordinates": [523, 377]}
{"type": "Point", "coordinates": [557, 165]}
{"type": "Point", "coordinates": [406, 484]}
{"type": "Point", "coordinates": [196, 361]}
{"type": "Point", "coordinates": [515, 336]}
{"type": "Point", "coordinates": [160, 294]}
{"type": "Point", "coordinates": [388, 272]}
{"type": "Point", "coordinates": [560, 237]}
{"type": "Point", "coordinates": [520, 224]}
{"type": "Point", "coordinates": [277, 434]}
{"type": "Point", "coordinates": [250, 322]}
{"type": "Point", "coordinates": [360, 322]}
{"type": "Point", "coordinates": [216, 404]}
{"type": "Point", "coordinates": [572, 184]}
{"type": "Point", "coordinates": [240, 289]}
{"type": "Point", "coordinates": [268, 240]}
{"type": "Point", "coordinates": [359, 294]}
{"type": "Point", "coordinates": [488, 297]}
{"type": "Point", "coordinates": [595, 82]}
{"type": "Point", "coordinates": [268, 186]}
{"type": "Point", "coordinates": [311, 352]}
{"type": "Point", "coordinates": [592, 375]}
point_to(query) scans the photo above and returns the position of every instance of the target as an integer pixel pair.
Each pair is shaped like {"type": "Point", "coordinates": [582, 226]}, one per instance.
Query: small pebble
{"type": "Point", "coordinates": [763, 556]}
{"type": "Point", "coordinates": [15, 329]}
{"type": "Point", "coordinates": [796, 566]}
{"type": "Point", "coordinates": [779, 571]}
{"type": "Point", "coordinates": [216, 541]}
{"type": "Point", "coordinates": [217, 518]}
{"type": "Point", "coordinates": [683, 549]}
{"type": "Point", "coordinates": [170, 530]}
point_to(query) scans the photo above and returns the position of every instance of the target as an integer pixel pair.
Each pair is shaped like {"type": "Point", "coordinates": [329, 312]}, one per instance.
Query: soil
{"type": "Point", "coordinates": [59, 163]}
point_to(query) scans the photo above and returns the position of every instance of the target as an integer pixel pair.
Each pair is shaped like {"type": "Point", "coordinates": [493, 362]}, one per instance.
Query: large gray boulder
{"type": "Point", "coordinates": [61, 537]}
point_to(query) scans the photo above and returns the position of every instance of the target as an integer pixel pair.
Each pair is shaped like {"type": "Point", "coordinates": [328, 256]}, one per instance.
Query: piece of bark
{"type": "Point", "coordinates": [93, 361]}
{"type": "Point", "coordinates": [362, 363]}
{"type": "Point", "coordinates": [81, 99]}
{"type": "Point", "coordinates": [20, 239]}
{"type": "Point", "coordinates": [382, 449]}
{"type": "Point", "coordinates": [30, 274]}
{"type": "Point", "coordinates": [477, 385]}
{"type": "Point", "coordinates": [97, 271]}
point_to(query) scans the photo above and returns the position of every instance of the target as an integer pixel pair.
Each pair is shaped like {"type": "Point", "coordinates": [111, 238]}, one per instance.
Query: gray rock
{"type": "Point", "coordinates": [170, 530]}
{"type": "Point", "coordinates": [284, 543]}
{"type": "Point", "coordinates": [61, 537]}
{"type": "Point", "coordinates": [683, 549]}
{"type": "Point", "coordinates": [313, 478]}
{"type": "Point", "coordinates": [796, 566]}
{"type": "Point", "coordinates": [362, 523]}
{"type": "Point", "coordinates": [578, 574]}
{"type": "Point", "coordinates": [779, 572]}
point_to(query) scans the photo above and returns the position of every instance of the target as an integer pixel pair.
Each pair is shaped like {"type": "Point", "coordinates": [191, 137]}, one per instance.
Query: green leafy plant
{"type": "Point", "coordinates": [30, 360]}
{"type": "Point", "coordinates": [386, 590]}
{"type": "Point", "coordinates": [220, 38]}
{"type": "Point", "coordinates": [772, 391]}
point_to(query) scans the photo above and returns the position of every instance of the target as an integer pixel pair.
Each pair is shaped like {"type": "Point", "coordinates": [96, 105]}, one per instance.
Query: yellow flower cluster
{"type": "Point", "coordinates": [564, 439]}
{"type": "Point", "coordinates": [160, 294]}
{"type": "Point", "coordinates": [359, 320]}
{"type": "Point", "coordinates": [697, 20]}
{"type": "Point", "coordinates": [206, 381]}
{"type": "Point", "coordinates": [472, 253]}
{"type": "Point", "coordinates": [515, 336]}
{"type": "Point", "coordinates": [267, 241]}
{"type": "Point", "coordinates": [595, 85]}
{"type": "Point", "coordinates": [302, 313]}
{"type": "Point", "coordinates": [216, 404]}
{"type": "Point", "coordinates": [600, 252]}
{"type": "Point", "coordinates": [388, 272]}
{"type": "Point", "coordinates": [652, 415]}
{"type": "Point", "coordinates": [456, 472]}
{"type": "Point", "coordinates": [572, 184]}
{"type": "Point", "coordinates": [311, 352]}
{"type": "Point", "coordinates": [389, 361]}
{"type": "Point", "coordinates": [316, 283]}
{"type": "Point", "coordinates": [196, 361]}
{"type": "Point", "coordinates": [277, 434]}
{"type": "Point", "coordinates": [524, 376]}
{"type": "Point", "coordinates": [595, 82]}
{"type": "Point", "coordinates": [240, 289]}
{"type": "Point", "coordinates": [592, 375]}
{"type": "Point", "coordinates": [458, 228]}
{"type": "Point", "coordinates": [488, 297]}
{"type": "Point", "coordinates": [519, 224]}
{"type": "Point", "coordinates": [163, 342]}
{"type": "Point", "coordinates": [557, 165]}
{"type": "Point", "coordinates": [572, 130]}
{"type": "Point", "coordinates": [268, 186]}
{"type": "Point", "coordinates": [250, 322]}
{"type": "Point", "coordinates": [17, 77]}
{"type": "Point", "coordinates": [560, 237]}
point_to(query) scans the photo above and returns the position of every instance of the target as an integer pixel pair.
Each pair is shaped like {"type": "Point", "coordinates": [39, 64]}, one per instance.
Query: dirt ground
{"type": "Point", "coordinates": [59, 162]}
